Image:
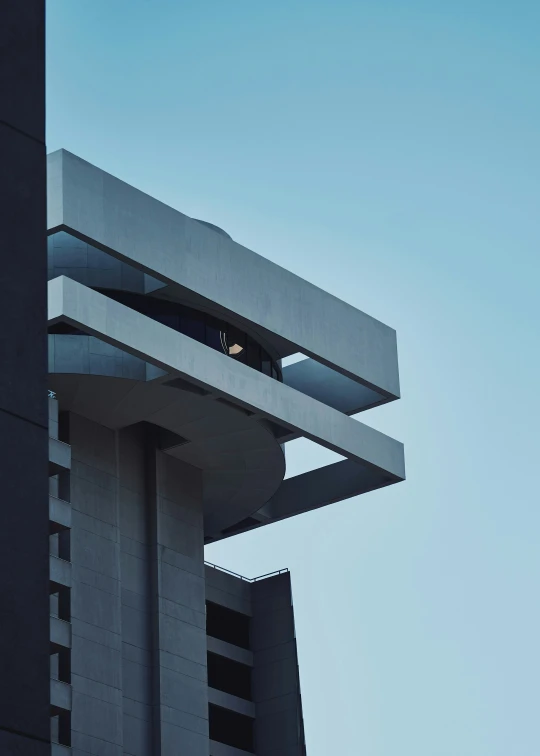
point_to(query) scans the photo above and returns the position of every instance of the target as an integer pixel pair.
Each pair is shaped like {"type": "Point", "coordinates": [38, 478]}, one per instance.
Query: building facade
{"type": "Point", "coordinates": [170, 414]}
{"type": "Point", "coordinates": [24, 549]}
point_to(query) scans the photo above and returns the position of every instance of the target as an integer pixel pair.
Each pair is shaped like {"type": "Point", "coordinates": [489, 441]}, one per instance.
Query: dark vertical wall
{"type": "Point", "coordinates": [24, 601]}
{"type": "Point", "coordinates": [276, 687]}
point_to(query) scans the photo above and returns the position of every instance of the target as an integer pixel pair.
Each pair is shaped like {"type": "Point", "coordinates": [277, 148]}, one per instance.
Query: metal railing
{"type": "Point", "coordinates": [241, 577]}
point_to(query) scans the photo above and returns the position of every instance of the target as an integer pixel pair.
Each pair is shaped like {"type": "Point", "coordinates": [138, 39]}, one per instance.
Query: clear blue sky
{"type": "Point", "coordinates": [388, 152]}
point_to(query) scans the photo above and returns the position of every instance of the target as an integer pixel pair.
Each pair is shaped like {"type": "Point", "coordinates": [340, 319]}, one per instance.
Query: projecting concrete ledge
{"type": "Point", "coordinates": [229, 651]}
{"type": "Point", "coordinates": [185, 254]}
{"type": "Point", "coordinates": [60, 634]}
{"type": "Point", "coordinates": [177, 354]}
{"type": "Point", "coordinates": [59, 574]}
{"type": "Point", "coordinates": [59, 456]}
{"type": "Point", "coordinates": [60, 697]}
{"type": "Point", "coordinates": [59, 514]}
{"type": "Point", "coordinates": [233, 703]}
{"type": "Point", "coordinates": [220, 749]}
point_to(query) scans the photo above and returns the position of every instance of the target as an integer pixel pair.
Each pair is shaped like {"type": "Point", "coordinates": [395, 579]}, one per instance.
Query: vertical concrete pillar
{"type": "Point", "coordinates": [138, 597]}
{"type": "Point", "coordinates": [179, 620]}
{"type": "Point", "coordinates": [276, 686]}
{"type": "Point", "coordinates": [96, 594]}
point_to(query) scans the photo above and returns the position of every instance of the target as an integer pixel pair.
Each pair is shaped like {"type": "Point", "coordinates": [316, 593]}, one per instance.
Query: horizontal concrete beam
{"type": "Point", "coordinates": [229, 651]}
{"type": "Point", "coordinates": [176, 353]}
{"type": "Point", "coordinates": [320, 487]}
{"type": "Point", "coordinates": [331, 388]}
{"type": "Point", "coordinates": [137, 229]}
{"type": "Point", "coordinates": [315, 489]}
{"type": "Point", "coordinates": [60, 634]}
{"type": "Point", "coordinates": [59, 573]}
{"type": "Point", "coordinates": [233, 703]}
{"type": "Point", "coordinates": [60, 697]}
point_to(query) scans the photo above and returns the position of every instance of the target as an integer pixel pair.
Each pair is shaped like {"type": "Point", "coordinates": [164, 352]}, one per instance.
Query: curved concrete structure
{"type": "Point", "coordinates": [242, 463]}
{"type": "Point", "coordinates": [165, 346]}
{"type": "Point", "coordinates": [192, 259]}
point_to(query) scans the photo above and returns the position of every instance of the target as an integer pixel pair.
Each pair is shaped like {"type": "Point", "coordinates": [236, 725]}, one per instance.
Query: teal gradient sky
{"type": "Point", "coordinates": [388, 152]}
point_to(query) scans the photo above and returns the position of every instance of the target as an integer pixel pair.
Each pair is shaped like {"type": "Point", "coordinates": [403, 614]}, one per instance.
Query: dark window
{"type": "Point", "coordinates": [229, 676]}
{"type": "Point", "coordinates": [194, 327]}
{"type": "Point", "coordinates": [171, 321]}
{"type": "Point", "coordinates": [200, 326]}
{"type": "Point", "coordinates": [230, 728]}
{"type": "Point", "coordinates": [227, 625]}
{"type": "Point", "coordinates": [253, 355]}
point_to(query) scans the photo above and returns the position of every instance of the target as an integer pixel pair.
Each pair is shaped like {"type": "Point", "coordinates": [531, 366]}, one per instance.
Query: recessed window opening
{"type": "Point", "coordinates": [229, 676]}
{"type": "Point", "coordinates": [230, 728]}
{"type": "Point", "coordinates": [227, 625]}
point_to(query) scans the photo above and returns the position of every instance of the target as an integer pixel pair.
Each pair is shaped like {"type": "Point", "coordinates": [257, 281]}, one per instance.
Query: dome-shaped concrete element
{"type": "Point", "coordinates": [217, 229]}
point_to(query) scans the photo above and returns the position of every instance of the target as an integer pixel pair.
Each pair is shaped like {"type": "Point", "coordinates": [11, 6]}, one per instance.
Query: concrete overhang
{"type": "Point", "coordinates": [59, 574]}
{"type": "Point", "coordinates": [193, 259]}
{"type": "Point", "coordinates": [60, 697]}
{"type": "Point", "coordinates": [59, 514]}
{"type": "Point", "coordinates": [177, 354]}
{"type": "Point", "coordinates": [60, 633]}
{"type": "Point", "coordinates": [59, 456]}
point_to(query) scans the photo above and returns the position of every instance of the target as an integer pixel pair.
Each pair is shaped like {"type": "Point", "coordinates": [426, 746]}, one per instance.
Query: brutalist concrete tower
{"type": "Point", "coordinates": [170, 414]}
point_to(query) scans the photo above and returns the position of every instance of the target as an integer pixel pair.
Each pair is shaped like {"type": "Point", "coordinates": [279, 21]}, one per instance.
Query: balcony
{"type": "Point", "coordinates": [59, 574]}
{"type": "Point", "coordinates": [59, 456]}
{"type": "Point", "coordinates": [60, 632]}
{"type": "Point", "coordinates": [59, 515]}
{"type": "Point", "coordinates": [60, 697]}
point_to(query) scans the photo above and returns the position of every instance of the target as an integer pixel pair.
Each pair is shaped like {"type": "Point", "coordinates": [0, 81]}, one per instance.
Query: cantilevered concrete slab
{"type": "Point", "coordinates": [123, 221]}
{"type": "Point", "coordinates": [177, 354]}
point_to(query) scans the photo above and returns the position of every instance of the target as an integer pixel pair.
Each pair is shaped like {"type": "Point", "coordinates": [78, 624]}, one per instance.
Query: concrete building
{"type": "Point", "coordinates": [169, 426]}
{"type": "Point", "coordinates": [24, 548]}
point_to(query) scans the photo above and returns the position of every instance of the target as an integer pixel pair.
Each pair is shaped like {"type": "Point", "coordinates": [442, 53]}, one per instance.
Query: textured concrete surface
{"type": "Point", "coordinates": [276, 705]}
{"type": "Point", "coordinates": [138, 656]}
{"type": "Point", "coordinates": [176, 442]}
{"type": "Point", "coordinates": [178, 354]}
{"type": "Point", "coordinates": [161, 241]}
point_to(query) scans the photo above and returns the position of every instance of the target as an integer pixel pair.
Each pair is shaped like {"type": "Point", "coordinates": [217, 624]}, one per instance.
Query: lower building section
{"type": "Point", "coordinates": [254, 688]}
{"type": "Point", "coordinates": [152, 652]}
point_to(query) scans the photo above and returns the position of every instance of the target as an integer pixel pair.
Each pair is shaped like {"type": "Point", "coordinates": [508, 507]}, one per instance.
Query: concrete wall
{"type": "Point", "coordinates": [276, 685]}
{"type": "Point", "coordinates": [24, 549]}
{"type": "Point", "coordinates": [98, 315]}
{"type": "Point", "coordinates": [139, 645]}
{"type": "Point", "coordinates": [69, 256]}
{"type": "Point", "coordinates": [86, 355]}
{"type": "Point", "coordinates": [145, 233]}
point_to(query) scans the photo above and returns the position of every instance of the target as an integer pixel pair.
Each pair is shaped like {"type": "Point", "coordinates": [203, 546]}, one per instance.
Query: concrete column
{"type": "Point", "coordinates": [96, 594]}
{"type": "Point", "coordinates": [138, 596]}
{"type": "Point", "coordinates": [276, 686]}
{"type": "Point", "coordinates": [179, 620]}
